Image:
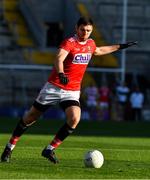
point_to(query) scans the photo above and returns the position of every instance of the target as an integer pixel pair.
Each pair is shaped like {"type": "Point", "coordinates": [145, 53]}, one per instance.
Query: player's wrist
{"type": "Point", "coordinates": [128, 44]}
{"type": "Point", "coordinates": [123, 46]}
{"type": "Point", "coordinates": [63, 78]}
{"type": "Point", "coordinates": [61, 74]}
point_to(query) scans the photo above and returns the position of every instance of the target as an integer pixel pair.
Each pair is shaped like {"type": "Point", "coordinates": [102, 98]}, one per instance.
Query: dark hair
{"type": "Point", "coordinates": [85, 21]}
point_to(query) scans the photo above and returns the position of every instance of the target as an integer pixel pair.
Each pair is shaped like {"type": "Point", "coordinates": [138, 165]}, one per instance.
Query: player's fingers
{"type": "Point", "coordinates": [133, 43]}
{"type": "Point", "coordinates": [66, 80]}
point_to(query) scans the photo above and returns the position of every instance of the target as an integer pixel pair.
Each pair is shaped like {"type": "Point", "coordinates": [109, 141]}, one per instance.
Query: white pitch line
{"type": "Point", "coordinates": [76, 149]}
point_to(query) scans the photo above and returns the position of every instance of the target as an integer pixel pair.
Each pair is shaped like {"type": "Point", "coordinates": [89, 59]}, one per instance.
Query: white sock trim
{"type": "Point", "coordinates": [50, 147]}
{"type": "Point", "coordinates": [11, 146]}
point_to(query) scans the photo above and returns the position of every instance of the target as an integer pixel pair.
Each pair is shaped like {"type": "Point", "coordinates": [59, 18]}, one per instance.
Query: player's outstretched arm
{"type": "Point", "coordinates": [112, 48]}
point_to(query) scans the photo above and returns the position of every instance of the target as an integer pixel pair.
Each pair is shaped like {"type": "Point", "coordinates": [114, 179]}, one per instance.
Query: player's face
{"type": "Point", "coordinates": [83, 32]}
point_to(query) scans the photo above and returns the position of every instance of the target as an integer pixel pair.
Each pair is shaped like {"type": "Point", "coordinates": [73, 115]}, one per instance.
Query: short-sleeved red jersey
{"type": "Point", "coordinates": [75, 63]}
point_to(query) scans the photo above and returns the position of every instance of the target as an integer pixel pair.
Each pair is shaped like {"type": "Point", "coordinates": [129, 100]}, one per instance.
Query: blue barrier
{"type": "Point", "coordinates": [16, 112]}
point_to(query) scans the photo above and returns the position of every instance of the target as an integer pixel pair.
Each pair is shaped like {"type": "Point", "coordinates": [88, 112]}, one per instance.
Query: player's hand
{"type": "Point", "coordinates": [128, 44]}
{"type": "Point", "coordinates": [63, 78]}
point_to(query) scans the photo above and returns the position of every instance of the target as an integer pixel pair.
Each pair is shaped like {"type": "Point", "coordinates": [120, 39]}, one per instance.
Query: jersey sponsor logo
{"type": "Point", "coordinates": [82, 58]}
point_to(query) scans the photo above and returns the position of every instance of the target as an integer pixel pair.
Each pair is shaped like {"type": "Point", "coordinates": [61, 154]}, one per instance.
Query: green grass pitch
{"type": "Point", "coordinates": [125, 146]}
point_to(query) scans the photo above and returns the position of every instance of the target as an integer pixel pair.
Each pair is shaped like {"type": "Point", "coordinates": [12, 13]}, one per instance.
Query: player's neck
{"type": "Point", "coordinates": [80, 41]}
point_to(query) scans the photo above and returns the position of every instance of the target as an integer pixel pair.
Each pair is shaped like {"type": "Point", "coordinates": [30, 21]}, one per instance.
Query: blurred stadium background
{"type": "Point", "coordinates": [30, 31]}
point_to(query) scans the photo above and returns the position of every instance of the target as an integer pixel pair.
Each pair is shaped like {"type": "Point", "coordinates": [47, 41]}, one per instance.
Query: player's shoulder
{"type": "Point", "coordinates": [70, 39]}
{"type": "Point", "coordinates": [90, 40]}
{"type": "Point", "coordinates": [67, 43]}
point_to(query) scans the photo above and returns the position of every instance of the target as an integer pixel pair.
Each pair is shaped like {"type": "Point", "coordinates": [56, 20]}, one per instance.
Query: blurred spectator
{"type": "Point", "coordinates": [91, 93]}
{"type": "Point", "coordinates": [122, 93]}
{"type": "Point", "coordinates": [91, 96]}
{"type": "Point", "coordinates": [104, 102]}
{"type": "Point", "coordinates": [136, 100]}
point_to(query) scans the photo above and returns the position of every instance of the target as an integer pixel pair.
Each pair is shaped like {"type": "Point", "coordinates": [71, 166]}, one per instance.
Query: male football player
{"type": "Point", "coordinates": [63, 87]}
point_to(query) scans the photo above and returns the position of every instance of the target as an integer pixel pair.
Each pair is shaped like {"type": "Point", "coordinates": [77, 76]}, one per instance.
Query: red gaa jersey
{"type": "Point", "coordinates": [75, 63]}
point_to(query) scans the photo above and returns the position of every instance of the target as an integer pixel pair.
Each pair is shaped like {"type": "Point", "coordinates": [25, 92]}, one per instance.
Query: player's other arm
{"type": "Point", "coordinates": [59, 65]}
{"type": "Point", "coordinates": [112, 48]}
{"type": "Point", "coordinates": [60, 57]}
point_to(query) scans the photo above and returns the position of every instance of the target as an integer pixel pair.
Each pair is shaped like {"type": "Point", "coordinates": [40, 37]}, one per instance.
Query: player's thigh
{"type": "Point", "coordinates": [73, 114]}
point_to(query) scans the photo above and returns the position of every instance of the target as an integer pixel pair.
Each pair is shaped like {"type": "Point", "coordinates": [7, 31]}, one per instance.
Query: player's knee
{"type": "Point", "coordinates": [30, 118]}
{"type": "Point", "coordinates": [73, 121]}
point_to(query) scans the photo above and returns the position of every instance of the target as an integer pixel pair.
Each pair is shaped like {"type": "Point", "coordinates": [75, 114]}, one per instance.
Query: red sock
{"type": "Point", "coordinates": [14, 140]}
{"type": "Point", "coordinates": [55, 142]}
{"type": "Point", "coordinates": [62, 134]}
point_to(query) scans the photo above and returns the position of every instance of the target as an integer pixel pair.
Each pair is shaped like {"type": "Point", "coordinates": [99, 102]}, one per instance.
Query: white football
{"type": "Point", "coordinates": [93, 159]}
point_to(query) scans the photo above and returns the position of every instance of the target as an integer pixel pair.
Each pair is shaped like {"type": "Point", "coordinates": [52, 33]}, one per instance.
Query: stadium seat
{"type": "Point", "coordinates": [10, 4]}
{"type": "Point", "coordinates": [17, 24]}
{"type": "Point", "coordinates": [40, 57]}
